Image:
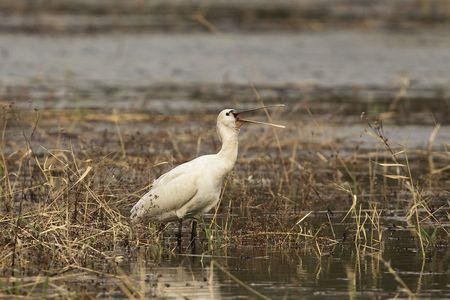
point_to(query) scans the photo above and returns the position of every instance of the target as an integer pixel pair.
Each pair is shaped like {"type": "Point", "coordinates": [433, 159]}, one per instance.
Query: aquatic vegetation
{"type": "Point", "coordinates": [68, 181]}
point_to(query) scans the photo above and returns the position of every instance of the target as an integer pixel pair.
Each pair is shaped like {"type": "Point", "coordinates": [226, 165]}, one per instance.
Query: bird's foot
{"type": "Point", "coordinates": [193, 234]}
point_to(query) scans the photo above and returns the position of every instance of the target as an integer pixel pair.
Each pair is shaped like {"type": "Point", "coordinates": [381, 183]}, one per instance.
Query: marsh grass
{"type": "Point", "coordinates": [65, 196]}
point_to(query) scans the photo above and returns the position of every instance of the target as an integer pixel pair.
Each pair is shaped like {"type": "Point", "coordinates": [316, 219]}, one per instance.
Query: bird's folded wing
{"type": "Point", "coordinates": [189, 167]}
{"type": "Point", "coordinates": [166, 197]}
{"type": "Point", "coordinates": [172, 174]}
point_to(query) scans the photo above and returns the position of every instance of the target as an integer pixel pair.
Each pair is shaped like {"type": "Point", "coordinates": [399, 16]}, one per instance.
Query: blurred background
{"type": "Point", "coordinates": [339, 56]}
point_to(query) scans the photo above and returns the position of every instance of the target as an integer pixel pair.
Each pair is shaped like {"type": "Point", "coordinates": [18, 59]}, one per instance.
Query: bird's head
{"type": "Point", "coordinates": [233, 118]}
{"type": "Point", "coordinates": [229, 118]}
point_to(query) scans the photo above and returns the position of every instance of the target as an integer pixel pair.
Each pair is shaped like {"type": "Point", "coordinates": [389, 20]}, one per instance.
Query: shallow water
{"type": "Point", "coordinates": [337, 272]}
{"type": "Point", "coordinates": [325, 58]}
{"type": "Point", "coordinates": [294, 275]}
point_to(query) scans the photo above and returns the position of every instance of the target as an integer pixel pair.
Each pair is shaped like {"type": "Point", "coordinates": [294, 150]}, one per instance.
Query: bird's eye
{"type": "Point", "coordinates": [228, 113]}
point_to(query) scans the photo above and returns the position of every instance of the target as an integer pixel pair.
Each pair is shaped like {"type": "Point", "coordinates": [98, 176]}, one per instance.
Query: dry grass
{"type": "Point", "coordinates": [66, 188]}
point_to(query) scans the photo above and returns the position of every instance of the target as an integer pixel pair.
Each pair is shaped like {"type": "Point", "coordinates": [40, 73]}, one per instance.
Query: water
{"type": "Point", "coordinates": [296, 274]}
{"type": "Point", "coordinates": [326, 58]}
{"type": "Point", "coordinates": [336, 271]}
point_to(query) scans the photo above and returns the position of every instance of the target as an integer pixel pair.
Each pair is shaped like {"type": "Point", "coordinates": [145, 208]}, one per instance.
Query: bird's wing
{"type": "Point", "coordinates": [165, 199]}
{"type": "Point", "coordinates": [177, 171]}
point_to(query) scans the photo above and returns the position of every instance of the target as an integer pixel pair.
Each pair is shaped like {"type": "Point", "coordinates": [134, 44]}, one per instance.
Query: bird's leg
{"type": "Point", "coordinates": [193, 233]}
{"type": "Point", "coordinates": [160, 232]}
{"type": "Point", "coordinates": [180, 229]}
{"type": "Point", "coordinates": [161, 228]}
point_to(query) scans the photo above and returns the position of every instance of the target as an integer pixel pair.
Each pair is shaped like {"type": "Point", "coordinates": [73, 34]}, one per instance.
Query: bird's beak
{"type": "Point", "coordinates": [238, 112]}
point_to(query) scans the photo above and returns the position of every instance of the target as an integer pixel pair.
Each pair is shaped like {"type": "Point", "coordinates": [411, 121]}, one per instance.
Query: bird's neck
{"type": "Point", "coordinates": [229, 150]}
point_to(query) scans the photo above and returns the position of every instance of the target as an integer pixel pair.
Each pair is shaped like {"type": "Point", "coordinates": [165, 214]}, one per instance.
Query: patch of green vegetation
{"type": "Point", "coordinates": [429, 238]}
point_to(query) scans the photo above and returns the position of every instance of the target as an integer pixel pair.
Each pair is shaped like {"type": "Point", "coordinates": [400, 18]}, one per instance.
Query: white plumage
{"type": "Point", "coordinates": [194, 187]}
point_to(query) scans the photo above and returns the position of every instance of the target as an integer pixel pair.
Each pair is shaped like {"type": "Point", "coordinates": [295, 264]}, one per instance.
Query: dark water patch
{"type": "Point", "coordinates": [344, 105]}
{"type": "Point", "coordinates": [280, 275]}
{"type": "Point", "coordinates": [83, 16]}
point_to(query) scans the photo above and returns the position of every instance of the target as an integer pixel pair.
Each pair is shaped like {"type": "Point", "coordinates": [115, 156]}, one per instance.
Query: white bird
{"type": "Point", "coordinates": [194, 187]}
